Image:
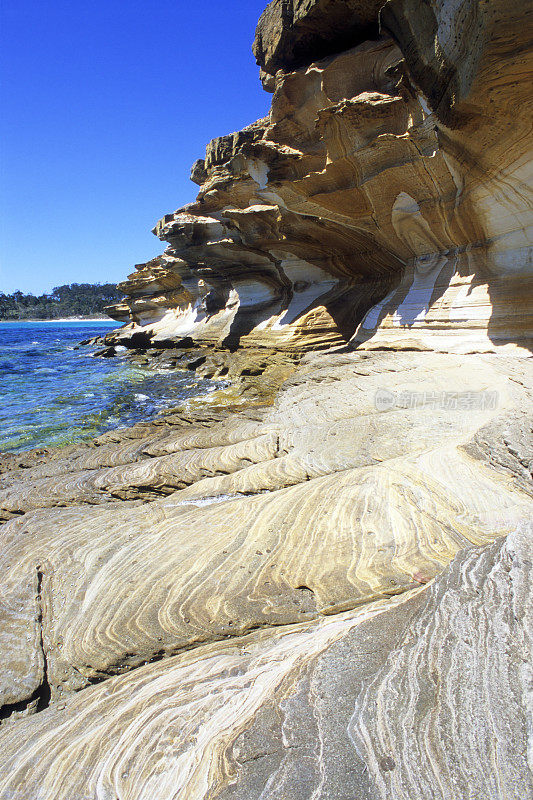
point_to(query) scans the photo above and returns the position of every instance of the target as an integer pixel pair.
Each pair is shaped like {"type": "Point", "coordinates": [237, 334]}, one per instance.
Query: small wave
{"type": "Point", "coordinates": [44, 371]}
{"type": "Point", "coordinates": [141, 397]}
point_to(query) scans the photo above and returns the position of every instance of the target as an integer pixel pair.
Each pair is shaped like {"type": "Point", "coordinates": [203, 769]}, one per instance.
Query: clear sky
{"type": "Point", "coordinates": [105, 106]}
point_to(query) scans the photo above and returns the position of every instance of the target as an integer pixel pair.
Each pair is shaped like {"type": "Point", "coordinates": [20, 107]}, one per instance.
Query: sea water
{"type": "Point", "coordinates": [54, 393]}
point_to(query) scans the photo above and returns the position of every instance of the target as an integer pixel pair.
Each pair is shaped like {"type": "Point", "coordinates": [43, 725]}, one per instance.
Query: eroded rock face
{"type": "Point", "coordinates": [294, 33]}
{"type": "Point", "coordinates": [350, 494]}
{"type": "Point", "coordinates": [397, 699]}
{"type": "Point", "coordinates": [384, 200]}
{"type": "Point", "coordinates": [328, 594]}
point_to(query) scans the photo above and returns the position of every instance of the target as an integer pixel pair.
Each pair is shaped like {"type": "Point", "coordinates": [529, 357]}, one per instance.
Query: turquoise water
{"type": "Point", "coordinates": [53, 394]}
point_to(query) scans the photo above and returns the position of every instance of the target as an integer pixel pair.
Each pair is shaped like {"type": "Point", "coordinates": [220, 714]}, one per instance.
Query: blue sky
{"type": "Point", "coordinates": [105, 106]}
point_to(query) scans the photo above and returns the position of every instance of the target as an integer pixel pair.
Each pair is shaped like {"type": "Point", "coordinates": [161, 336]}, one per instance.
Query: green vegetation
{"type": "Point", "coordinates": [76, 300]}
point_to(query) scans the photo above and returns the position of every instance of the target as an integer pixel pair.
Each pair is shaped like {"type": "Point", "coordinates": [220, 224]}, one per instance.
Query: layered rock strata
{"type": "Point", "coordinates": [383, 201]}
{"type": "Point", "coordinates": [396, 699]}
{"type": "Point", "coordinates": [145, 561]}
{"type": "Point", "coordinates": [327, 593]}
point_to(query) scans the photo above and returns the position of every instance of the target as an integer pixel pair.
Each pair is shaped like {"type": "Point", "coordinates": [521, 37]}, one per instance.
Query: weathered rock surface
{"type": "Point", "coordinates": [413, 697]}
{"type": "Point", "coordinates": [366, 477]}
{"type": "Point", "coordinates": [294, 33]}
{"type": "Point", "coordinates": [384, 200]}
{"type": "Point", "coordinates": [325, 595]}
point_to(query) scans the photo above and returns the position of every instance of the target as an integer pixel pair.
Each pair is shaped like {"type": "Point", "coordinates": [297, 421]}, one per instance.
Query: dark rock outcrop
{"type": "Point", "coordinates": [294, 33]}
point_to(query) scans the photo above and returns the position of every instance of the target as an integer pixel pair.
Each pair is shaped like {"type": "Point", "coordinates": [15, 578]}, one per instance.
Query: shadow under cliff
{"type": "Point", "coordinates": [343, 310]}
{"type": "Point", "coordinates": [450, 300]}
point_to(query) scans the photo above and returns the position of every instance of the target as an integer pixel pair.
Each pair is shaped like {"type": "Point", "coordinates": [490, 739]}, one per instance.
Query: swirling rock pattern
{"type": "Point", "coordinates": [456, 691]}
{"type": "Point", "coordinates": [398, 699]}
{"type": "Point", "coordinates": [384, 200]}
{"type": "Point", "coordinates": [322, 502]}
{"type": "Point", "coordinates": [327, 594]}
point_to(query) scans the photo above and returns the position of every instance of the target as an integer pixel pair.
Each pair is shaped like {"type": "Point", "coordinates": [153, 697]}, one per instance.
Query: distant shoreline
{"type": "Point", "coordinates": [60, 319]}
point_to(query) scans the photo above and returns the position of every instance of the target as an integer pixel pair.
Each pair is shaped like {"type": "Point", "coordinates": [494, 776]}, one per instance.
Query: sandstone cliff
{"type": "Point", "coordinates": [326, 595]}
{"type": "Point", "coordinates": [384, 201]}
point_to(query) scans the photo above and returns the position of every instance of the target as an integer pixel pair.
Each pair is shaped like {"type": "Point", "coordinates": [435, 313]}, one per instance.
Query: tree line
{"type": "Point", "coordinates": [73, 300]}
